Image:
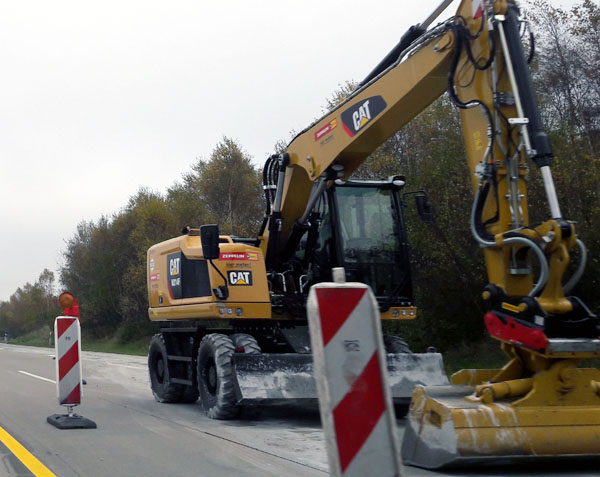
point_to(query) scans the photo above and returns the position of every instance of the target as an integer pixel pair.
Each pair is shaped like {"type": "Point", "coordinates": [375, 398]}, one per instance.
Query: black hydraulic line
{"type": "Point", "coordinates": [406, 40]}
{"type": "Point", "coordinates": [460, 40]}
{"type": "Point", "coordinates": [540, 141]}
{"type": "Point", "coordinates": [267, 182]}
{"type": "Point", "coordinates": [481, 198]}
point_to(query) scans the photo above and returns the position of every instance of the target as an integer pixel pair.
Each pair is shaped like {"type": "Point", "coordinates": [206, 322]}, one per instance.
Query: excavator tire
{"type": "Point", "coordinates": [395, 344]}
{"type": "Point", "coordinates": [216, 377]}
{"type": "Point", "coordinates": [160, 382]}
{"type": "Point", "coordinates": [244, 343]}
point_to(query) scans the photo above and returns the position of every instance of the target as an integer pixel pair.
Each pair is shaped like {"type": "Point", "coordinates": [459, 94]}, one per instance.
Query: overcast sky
{"type": "Point", "coordinates": [100, 98]}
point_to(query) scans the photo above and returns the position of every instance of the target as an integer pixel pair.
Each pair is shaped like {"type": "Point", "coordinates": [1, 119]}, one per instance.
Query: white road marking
{"type": "Point", "coordinates": [141, 368]}
{"type": "Point", "coordinates": [38, 377]}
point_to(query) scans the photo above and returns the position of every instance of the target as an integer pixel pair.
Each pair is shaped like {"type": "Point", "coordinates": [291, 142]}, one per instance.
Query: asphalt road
{"type": "Point", "coordinates": [138, 437]}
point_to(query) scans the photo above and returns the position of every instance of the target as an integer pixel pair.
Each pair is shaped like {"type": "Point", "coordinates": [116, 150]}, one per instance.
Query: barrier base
{"type": "Point", "coordinates": [74, 421]}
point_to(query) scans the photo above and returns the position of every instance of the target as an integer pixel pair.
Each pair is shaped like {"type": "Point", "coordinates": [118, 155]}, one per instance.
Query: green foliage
{"type": "Point", "coordinates": [448, 269]}
{"type": "Point", "coordinates": [31, 307]}
{"type": "Point", "coordinates": [340, 95]}
{"type": "Point", "coordinates": [105, 262]}
{"type": "Point", "coordinates": [231, 189]}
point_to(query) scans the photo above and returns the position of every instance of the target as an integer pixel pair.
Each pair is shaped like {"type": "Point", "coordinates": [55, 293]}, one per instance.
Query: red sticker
{"type": "Point", "coordinates": [240, 256]}
{"type": "Point", "coordinates": [326, 129]}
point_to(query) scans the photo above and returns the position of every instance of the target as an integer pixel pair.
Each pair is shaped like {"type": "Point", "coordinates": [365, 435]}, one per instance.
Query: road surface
{"type": "Point", "coordinates": [138, 436]}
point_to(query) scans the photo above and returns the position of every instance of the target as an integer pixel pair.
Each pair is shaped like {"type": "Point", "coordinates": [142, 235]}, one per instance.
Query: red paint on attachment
{"type": "Point", "coordinates": [63, 325]}
{"type": "Point", "coordinates": [516, 333]}
{"type": "Point", "coordinates": [358, 413]}
{"type": "Point", "coordinates": [74, 397]}
{"type": "Point", "coordinates": [69, 359]}
{"type": "Point", "coordinates": [335, 306]}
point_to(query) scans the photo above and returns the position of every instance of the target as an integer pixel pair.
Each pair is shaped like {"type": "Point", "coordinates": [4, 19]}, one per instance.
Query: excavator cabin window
{"type": "Point", "coordinates": [372, 239]}
{"type": "Point", "coordinates": [359, 226]}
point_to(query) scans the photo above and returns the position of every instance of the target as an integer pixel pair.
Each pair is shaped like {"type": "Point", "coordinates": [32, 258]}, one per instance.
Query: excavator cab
{"type": "Point", "coordinates": [358, 225]}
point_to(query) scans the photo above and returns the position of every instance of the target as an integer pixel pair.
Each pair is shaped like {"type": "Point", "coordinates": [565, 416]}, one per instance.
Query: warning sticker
{"type": "Point", "coordinates": [238, 256]}
{"type": "Point", "coordinates": [330, 126]}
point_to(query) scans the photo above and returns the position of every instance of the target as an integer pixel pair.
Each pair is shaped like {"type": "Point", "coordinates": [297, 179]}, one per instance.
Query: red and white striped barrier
{"type": "Point", "coordinates": [67, 346]}
{"type": "Point", "coordinates": [68, 351]}
{"type": "Point", "coordinates": [351, 375]}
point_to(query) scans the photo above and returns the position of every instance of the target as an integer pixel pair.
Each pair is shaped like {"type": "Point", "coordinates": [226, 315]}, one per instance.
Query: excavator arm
{"type": "Point", "coordinates": [477, 56]}
{"type": "Point", "coordinates": [525, 408]}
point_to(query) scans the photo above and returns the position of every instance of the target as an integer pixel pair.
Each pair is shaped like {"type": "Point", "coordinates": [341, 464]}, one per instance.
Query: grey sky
{"type": "Point", "coordinates": [100, 98]}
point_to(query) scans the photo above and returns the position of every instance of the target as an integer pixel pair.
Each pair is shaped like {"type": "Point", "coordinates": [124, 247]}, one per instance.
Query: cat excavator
{"type": "Point", "coordinates": [318, 217]}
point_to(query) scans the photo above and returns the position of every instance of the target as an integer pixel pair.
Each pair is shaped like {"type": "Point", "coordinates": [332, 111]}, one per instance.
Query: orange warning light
{"type": "Point", "coordinates": [66, 300]}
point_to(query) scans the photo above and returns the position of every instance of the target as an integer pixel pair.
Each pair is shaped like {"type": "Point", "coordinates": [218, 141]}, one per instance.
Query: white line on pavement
{"type": "Point", "coordinates": [38, 377]}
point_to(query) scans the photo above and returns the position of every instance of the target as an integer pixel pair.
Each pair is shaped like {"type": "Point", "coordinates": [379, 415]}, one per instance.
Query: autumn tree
{"type": "Point", "coordinates": [30, 307]}
{"type": "Point", "coordinates": [230, 187]}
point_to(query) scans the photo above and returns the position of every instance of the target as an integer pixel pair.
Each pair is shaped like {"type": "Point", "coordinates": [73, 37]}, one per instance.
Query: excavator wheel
{"type": "Point", "coordinates": [395, 344]}
{"type": "Point", "coordinates": [160, 382]}
{"type": "Point", "coordinates": [216, 377]}
{"type": "Point", "coordinates": [244, 343]}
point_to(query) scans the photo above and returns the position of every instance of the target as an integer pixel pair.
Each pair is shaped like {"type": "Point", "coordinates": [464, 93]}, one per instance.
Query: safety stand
{"type": "Point", "coordinates": [352, 383]}
{"type": "Point", "coordinates": [68, 374]}
{"type": "Point", "coordinates": [70, 420]}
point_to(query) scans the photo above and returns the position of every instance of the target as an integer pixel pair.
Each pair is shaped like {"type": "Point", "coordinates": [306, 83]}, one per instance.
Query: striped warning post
{"type": "Point", "coordinates": [68, 367]}
{"type": "Point", "coordinates": [351, 375]}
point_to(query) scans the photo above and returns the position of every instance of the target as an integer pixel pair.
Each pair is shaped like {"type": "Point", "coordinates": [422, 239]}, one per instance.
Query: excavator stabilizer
{"type": "Point", "coordinates": [554, 414]}
{"type": "Point", "coordinates": [286, 378]}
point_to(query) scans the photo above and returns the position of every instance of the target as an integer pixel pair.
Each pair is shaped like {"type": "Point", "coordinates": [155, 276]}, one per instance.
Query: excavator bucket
{"type": "Point", "coordinates": [554, 413]}
{"type": "Point", "coordinates": [289, 378]}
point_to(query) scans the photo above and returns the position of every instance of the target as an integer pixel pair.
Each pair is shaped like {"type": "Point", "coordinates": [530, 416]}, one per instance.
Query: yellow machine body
{"type": "Point", "coordinates": [175, 263]}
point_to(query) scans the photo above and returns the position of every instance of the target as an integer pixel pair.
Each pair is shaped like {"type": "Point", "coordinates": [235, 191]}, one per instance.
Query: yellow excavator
{"type": "Point", "coordinates": [318, 218]}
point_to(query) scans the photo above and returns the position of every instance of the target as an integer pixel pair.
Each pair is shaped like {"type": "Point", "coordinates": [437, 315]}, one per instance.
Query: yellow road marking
{"type": "Point", "coordinates": [35, 466]}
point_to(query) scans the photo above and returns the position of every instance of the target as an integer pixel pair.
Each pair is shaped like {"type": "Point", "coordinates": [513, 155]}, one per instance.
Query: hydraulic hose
{"type": "Point", "coordinates": [580, 268]}
{"type": "Point", "coordinates": [487, 242]}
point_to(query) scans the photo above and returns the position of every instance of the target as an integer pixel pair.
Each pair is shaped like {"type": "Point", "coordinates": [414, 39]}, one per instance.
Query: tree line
{"type": "Point", "coordinates": [105, 260]}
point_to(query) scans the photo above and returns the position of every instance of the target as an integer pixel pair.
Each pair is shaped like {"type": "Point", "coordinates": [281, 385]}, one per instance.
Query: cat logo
{"type": "Point", "coordinates": [239, 277]}
{"type": "Point", "coordinates": [356, 117]}
{"type": "Point", "coordinates": [174, 266]}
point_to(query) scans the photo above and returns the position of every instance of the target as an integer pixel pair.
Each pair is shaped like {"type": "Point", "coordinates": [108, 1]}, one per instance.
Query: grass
{"type": "Point", "coordinates": [35, 338]}
{"type": "Point", "coordinates": [137, 347]}
{"type": "Point", "coordinates": [483, 355]}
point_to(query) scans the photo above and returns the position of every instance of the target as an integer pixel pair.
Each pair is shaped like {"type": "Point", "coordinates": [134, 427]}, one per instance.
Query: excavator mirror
{"type": "Point", "coordinates": [209, 236]}
{"type": "Point", "coordinates": [424, 208]}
